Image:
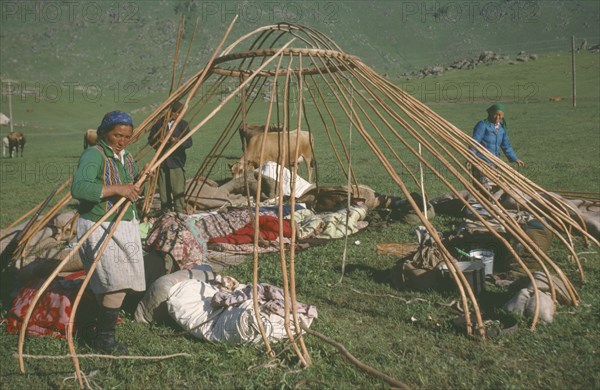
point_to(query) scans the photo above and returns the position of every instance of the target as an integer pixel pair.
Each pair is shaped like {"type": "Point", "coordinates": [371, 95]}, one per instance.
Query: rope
{"type": "Point", "coordinates": [101, 356]}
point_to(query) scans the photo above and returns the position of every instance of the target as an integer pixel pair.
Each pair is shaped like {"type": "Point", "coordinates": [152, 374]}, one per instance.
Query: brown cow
{"type": "Point", "coordinates": [90, 138]}
{"type": "Point", "coordinates": [246, 133]}
{"type": "Point", "coordinates": [276, 144]}
{"type": "Point", "coordinates": [16, 141]}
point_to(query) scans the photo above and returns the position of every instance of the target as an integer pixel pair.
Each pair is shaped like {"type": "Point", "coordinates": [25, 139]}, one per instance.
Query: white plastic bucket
{"type": "Point", "coordinates": [486, 256]}
{"type": "Point", "coordinates": [473, 271]}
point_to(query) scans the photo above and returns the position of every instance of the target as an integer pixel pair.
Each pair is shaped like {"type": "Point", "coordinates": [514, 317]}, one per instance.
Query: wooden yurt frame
{"type": "Point", "coordinates": [389, 120]}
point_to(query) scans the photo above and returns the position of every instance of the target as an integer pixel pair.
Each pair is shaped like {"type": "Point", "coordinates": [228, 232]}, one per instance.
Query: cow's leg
{"type": "Point", "coordinates": [243, 140]}
{"type": "Point", "coordinates": [309, 168]}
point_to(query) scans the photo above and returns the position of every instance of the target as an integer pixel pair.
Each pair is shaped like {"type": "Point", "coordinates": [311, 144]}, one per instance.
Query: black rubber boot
{"type": "Point", "coordinates": [105, 333]}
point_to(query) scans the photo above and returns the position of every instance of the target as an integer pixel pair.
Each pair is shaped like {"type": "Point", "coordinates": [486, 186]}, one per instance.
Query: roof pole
{"type": "Point", "coordinates": [10, 116]}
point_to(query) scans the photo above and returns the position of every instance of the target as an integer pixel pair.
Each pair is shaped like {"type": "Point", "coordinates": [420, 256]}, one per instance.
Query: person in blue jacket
{"type": "Point", "coordinates": [491, 134]}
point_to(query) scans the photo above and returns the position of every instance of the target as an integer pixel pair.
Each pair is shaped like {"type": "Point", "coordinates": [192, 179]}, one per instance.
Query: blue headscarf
{"type": "Point", "coordinates": [111, 119]}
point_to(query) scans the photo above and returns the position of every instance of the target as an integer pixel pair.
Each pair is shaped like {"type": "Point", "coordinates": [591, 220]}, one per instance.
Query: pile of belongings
{"type": "Point", "coordinates": [192, 239]}
{"type": "Point", "coordinates": [217, 308]}
{"type": "Point", "coordinates": [419, 271]}
{"type": "Point", "coordinates": [523, 301]}
{"type": "Point", "coordinates": [50, 245]}
{"type": "Point", "coordinates": [472, 232]}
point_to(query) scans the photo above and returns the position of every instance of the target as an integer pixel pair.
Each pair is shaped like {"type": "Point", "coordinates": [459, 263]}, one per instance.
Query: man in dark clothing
{"type": "Point", "coordinates": [171, 177]}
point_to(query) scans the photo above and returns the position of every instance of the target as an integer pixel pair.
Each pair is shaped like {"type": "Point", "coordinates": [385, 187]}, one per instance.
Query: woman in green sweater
{"type": "Point", "coordinates": [106, 173]}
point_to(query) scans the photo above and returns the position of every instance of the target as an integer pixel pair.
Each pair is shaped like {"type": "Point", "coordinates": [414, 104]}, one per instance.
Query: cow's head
{"type": "Point", "coordinates": [237, 169]}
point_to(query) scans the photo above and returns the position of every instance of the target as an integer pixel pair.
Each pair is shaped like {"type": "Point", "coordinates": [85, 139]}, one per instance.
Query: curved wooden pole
{"type": "Point", "coordinates": [297, 325]}
{"type": "Point", "coordinates": [154, 164]}
{"type": "Point", "coordinates": [88, 276]}
{"type": "Point", "coordinates": [180, 27]}
{"type": "Point", "coordinates": [41, 222]}
{"type": "Point", "coordinates": [187, 55]}
{"type": "Point", "coordinates": [284, 268]}
{"type": "Point", "coordinates": [257, 225]}
{"type": "Point", "coordinates": [368, 369]}
{"type": "Point", "coordinates": [476, 192]}
{"type": "Point", "coordinates": [52, 276]}
{"type": "Point", "coordinates": [491, 210]}
{"type": "Point", "coordinates": [6, 230]}
{"type": "Point", "coordinates": [493, 232]}
{"type": "Point", "coordinates": [462, 284]}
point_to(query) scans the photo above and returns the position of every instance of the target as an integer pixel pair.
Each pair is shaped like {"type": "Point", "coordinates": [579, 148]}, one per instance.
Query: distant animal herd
{"type": "Point", "coordinates": [14, 143]}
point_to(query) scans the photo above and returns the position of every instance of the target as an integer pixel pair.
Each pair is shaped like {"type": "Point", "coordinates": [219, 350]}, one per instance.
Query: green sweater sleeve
{"type": "Point", "coordinates": [87, 183]}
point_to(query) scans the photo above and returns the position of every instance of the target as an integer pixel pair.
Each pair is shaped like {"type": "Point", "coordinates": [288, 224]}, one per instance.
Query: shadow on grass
{"type": "Point", "coordinates": [381, 276]}
{"type": "Point", "coordinates": [490, 301]}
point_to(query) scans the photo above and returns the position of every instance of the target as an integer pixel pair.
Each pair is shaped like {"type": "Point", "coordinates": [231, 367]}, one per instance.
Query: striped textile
{"type": "Point", "coordinates": [122, 264]}
{"type": "Point", "coordinates": [111, 174]}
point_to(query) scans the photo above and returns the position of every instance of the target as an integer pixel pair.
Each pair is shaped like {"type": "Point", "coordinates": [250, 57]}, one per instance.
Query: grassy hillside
{"type": "Point", "coordinates": [108, 44]}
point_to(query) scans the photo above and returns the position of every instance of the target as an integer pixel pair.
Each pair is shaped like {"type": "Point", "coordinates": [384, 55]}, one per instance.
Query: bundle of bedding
{"type": "Point", "coordinates": [207, 310]}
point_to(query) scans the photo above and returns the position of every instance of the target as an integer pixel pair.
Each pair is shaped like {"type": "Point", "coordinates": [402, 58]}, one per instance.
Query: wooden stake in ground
{"type": "Point", "coordinates": [10, 112]}
{"type": "Point", "coordinates": [572, 71]}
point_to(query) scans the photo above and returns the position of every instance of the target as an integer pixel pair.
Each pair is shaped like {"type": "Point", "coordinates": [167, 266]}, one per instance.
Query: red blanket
{"type": "Point", "coordinates": [52, 312]}
{"type": "Point", "coordinates": [268, 227]}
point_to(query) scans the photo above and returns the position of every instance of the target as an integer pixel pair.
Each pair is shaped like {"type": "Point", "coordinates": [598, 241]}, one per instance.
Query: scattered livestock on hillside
{"type": "Point", "coordinates": [276, 144]}
{"type": "Point", "coordinates": [90, 138]}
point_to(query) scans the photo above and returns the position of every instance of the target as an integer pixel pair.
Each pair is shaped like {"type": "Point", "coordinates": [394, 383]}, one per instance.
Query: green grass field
{"type": "Point", "coordinates": [410, 339]}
